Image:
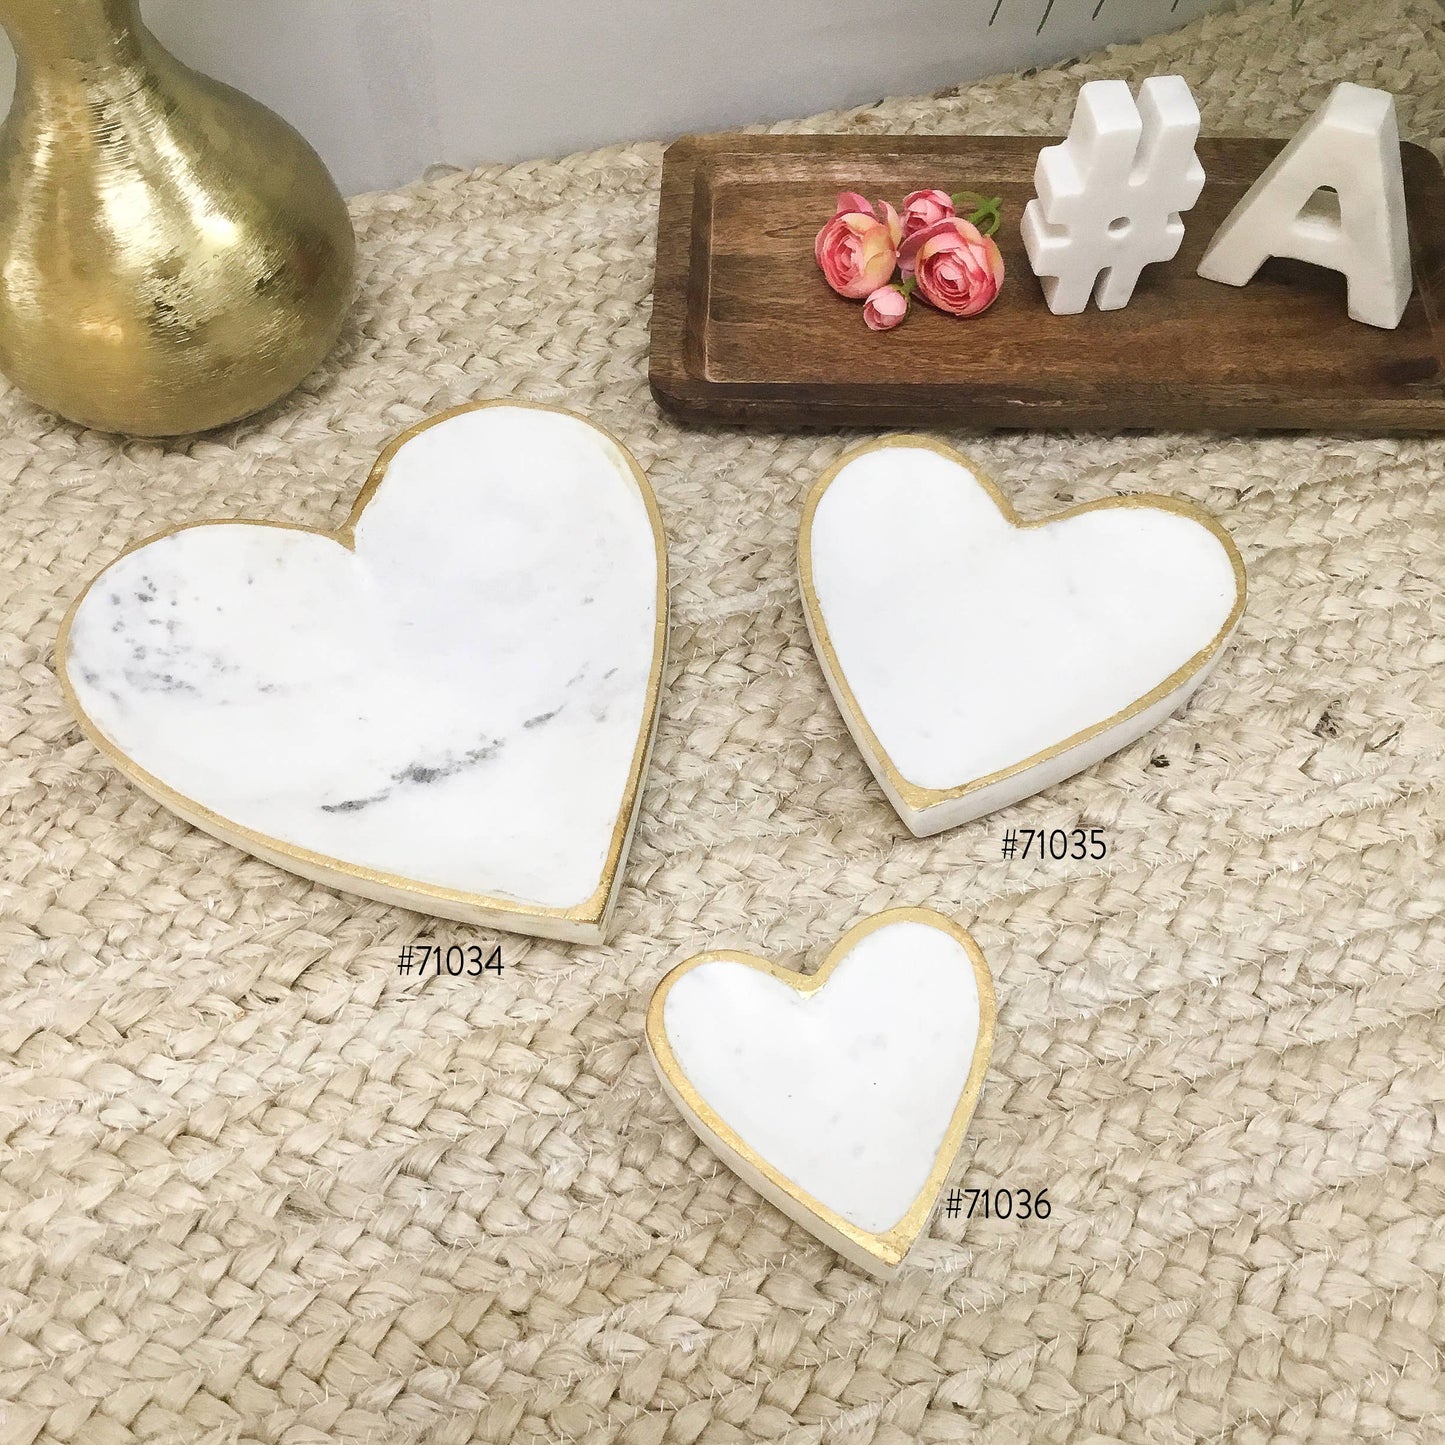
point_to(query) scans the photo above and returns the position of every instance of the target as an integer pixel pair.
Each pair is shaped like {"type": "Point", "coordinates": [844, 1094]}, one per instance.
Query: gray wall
{"type": "Point", "coordinates": [384, 88]}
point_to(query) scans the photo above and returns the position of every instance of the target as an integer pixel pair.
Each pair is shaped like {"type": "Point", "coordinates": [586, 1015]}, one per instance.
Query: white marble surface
{"type": "Point", "coordinates": [971, 644]}
{"type": "Point", "coordinates": [1335, 196]}
{"type": "Point", "coordinates": [1111, 196]}
{"type": "Point", "coordinates": [847, 1092]}
{"type": "Point", "coordinates": [457, 701]}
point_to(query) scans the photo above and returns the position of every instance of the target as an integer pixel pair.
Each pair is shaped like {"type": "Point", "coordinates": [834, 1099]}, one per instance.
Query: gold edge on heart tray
{"type": "Point", "coordinates": [583, 922]}
{"type": "Point", "coordinates": [913, 794]}
{"type": "Point", "coordinates": [886, 1249]}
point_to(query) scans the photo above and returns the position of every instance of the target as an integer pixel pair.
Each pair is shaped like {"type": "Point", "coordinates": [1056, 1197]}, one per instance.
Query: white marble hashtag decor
{"type": "Point", "coordinates": [1111, 196]}
{"type": "Point", "coordinates": [977, 658]}
{"type": "Point", "coordinates": [842, 1096]}
{"type": "Point", "coordinates": [448, 704]}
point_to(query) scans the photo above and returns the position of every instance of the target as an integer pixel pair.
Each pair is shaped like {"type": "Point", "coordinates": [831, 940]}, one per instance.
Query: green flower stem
{"type": "Point", "coordinates": [987, 210]}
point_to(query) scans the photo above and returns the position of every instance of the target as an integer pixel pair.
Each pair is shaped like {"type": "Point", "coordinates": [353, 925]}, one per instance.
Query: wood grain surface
{"type": "Point", "coordinates": [744, 329]}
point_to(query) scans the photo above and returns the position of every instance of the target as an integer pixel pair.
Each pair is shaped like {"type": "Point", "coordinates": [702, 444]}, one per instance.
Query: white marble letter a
{"type": "Point", "coordinates": [1110, 196]}
{"type": "Point", "coordinates": [1350, 146]}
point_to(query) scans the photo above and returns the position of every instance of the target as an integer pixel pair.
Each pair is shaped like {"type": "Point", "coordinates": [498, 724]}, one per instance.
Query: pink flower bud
{"type": "Point", "coordinates": [885, 308]}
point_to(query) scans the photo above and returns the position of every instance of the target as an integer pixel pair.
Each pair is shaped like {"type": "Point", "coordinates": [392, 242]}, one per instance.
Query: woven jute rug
{"type": "Point", "coordinates": [257, 1186]}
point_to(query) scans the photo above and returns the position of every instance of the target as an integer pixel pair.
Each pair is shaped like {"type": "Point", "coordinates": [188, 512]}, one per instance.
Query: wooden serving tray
{"type": "Point", "coordinates": [744, 329]}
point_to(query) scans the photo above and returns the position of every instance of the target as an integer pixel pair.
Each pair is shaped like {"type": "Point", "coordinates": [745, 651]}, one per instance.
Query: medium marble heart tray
{"type": "Point", "coordinates": [744, 330]}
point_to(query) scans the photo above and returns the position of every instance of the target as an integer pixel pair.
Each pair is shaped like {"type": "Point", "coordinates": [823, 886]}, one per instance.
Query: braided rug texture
{"type": "Point", "coordinates": [256, 1186]}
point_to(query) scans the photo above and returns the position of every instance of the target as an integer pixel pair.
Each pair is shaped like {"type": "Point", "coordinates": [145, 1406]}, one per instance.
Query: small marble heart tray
{"type": "Point", "coordinates": [446, 704]}
{"type": "Point", "coordinates": [842, 1096]}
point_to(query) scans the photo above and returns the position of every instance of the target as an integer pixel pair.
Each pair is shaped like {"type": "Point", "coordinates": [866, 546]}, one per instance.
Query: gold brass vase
{"type": "Point", "coordinates": [173, 255]}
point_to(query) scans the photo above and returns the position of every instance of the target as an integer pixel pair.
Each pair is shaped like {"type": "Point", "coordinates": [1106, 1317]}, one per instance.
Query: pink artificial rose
{"type": "Point", "coordinates": [958, 269]}
{"type": "Point", "coordinates": [858, 250]}
{"type": "Point", "coordinates": [885, 308]}
{"type": "Point", "coordinates": [923, 209]}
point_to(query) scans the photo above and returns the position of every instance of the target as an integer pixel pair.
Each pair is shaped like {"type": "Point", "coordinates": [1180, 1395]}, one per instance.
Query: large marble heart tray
{"type": "Point", "coordinates": [447, 704]}
{"type": "Point", "coordinates": [744, 330]}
